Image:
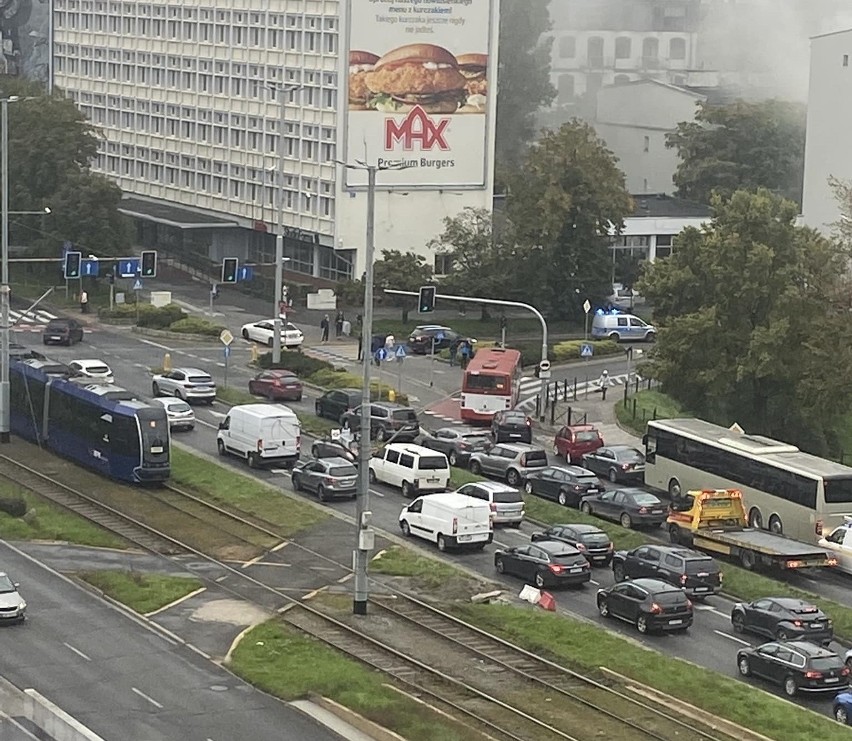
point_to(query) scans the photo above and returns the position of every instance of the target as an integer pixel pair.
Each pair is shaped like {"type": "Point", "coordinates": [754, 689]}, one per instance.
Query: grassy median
{"type": "Point", "coordinates": [144, 593]}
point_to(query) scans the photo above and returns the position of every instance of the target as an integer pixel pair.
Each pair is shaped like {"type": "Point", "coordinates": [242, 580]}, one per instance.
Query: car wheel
{"type": "Point", "coordinates": [513, 478]}
{"type": "Point", "coordinates": [407, 490]}
{"type": "Point", "coordinates": [775, 525]}
{"type": "Point", "coordinates": [562, 498]}
{"type": "Point", "coordinates": [781, 635]}
{"type": "Point", "coordinates": [155, 389]}
{"type": "Point", "coordinates": [603, 607]}
{"type": "Point", "coordinates": [613, 475]}
{"type": "Point", "coordinates": [586, 507]}
{"type": "Point", "coordinates": [179, 395]}
{"type": "Point", "coordinates": [500, 566]}
{"type": "Point", "coordinates": [381, 434]}
{"type": "Point", "coordinates": [453, 458]}
{"type": "Point", "coordinates": [791, 689]}
{"type": "Point", "coordinates": [475, 468]}
{"type": "Point", "coordinates": [642, 624]}
{"type": "Point", "coordinates": [650, 336]}
{"type": "Point", "coordinates": [614, 337]}
{"type": "Point", "coordinates": [221, 447]}
{"type": "Point", "coordinates": [738, 623]}
{"type": "Point", "coordinates": [618, 572]}
{"type": "Point", "coordinates": [253, 461]}
{"type": "Point", "coordinates": [245, 334]}
{"type": "Point", "coordinates": [744, 666]}
{"type": "Point", "coordinates": [372, 475]}
{"type": "Point", "coordinates": [321, 493]}
{"type": "Point", "coordinates": [297, 482]}
{"type": "Point", "coordinates": [528, 487]}
{"type": "Point", "coordinates": [442, 543]}
{"type": "Point", "coordinates": [539, 579]}
{"type": "Point", "coordinates": [840, 715]}
{"type": "Point", "coordinates": [406, 528]}
{"type": "Point", "coordinates": [625, 520]}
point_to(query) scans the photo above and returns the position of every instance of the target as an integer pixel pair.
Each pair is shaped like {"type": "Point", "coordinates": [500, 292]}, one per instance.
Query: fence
{"type": "Point", "coordinates": [573, 389]}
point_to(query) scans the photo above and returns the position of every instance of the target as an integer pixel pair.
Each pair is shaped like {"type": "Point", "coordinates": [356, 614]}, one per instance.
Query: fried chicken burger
{"type": "Point", "coordinates": [474, 68]}
{"type": "Point", "coordinates": [360, 63]}
{"type": "Point", "coordinates": [417, 75]}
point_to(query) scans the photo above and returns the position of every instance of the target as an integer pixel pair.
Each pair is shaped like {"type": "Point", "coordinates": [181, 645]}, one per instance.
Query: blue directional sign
{"type": "Point", "coordinates": [226, 351]}
{"type": "Point", "coordinates": [586, 351]}
{"type": "Point", "coordinates": [128, 267]}
{"type": "Point", "coordinates": [245, 272]}
{"type": "Point", "coordinates": [90, 267]}
{"type": "Point", "coordinates": [381, 354]}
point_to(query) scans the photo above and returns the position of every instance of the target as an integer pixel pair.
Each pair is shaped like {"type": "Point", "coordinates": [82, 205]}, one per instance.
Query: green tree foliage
{"type": "Point", "coordinates": [752, 328]}
{"type": "Point", "coordinates": [564, 201]}
{"type": "Point", "coordinates": [402, 271]}
{"type": "Point", "coordinates": [741, 145]}
{"type": "Point", "coordinates": [523, 79]}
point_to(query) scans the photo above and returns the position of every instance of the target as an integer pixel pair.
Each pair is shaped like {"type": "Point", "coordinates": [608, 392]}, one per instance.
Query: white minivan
{"type": "Point", "coordinates": [412, 468]}
{"type": "Point", "coordinates": [263, 434]}
{"type": "Point", "coordinates": [451, 520]}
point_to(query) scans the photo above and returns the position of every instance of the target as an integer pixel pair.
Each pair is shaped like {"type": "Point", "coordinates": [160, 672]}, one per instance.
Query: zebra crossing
{"type": "Point", "coordinates": [30, 321]}
{"type": "Point", "coordinates": [531, 386]}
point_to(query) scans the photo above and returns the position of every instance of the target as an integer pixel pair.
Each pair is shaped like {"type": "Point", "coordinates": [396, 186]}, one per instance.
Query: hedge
{"type": "Point", "coordinates": [154, 317]}
{"type": "Point", "coordinates": [560, 352]}
{"type": "Point", "coordinates": [196, 325]}
{"type": "Point", "coordinates": [302, 365]}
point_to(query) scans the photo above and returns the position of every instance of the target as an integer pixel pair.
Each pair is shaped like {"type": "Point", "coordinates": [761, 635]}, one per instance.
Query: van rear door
{"type": "Point", "coordinates": [474, 524]}
{"type": "Point", "coordinates": [281, 437]}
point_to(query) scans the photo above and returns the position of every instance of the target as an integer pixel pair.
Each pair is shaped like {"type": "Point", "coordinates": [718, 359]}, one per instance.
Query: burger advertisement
{"type": "Point", "coordinates": [418, 89]}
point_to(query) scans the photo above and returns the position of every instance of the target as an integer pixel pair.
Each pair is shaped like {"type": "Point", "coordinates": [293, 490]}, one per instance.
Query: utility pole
{"type": "Point", "coordinates": [5, 411]}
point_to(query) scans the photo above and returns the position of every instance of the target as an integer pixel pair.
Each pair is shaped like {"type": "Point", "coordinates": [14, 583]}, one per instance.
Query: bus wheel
{"type": "Point", "coordinates": [755, 519]}
{"type": "Point", "coordinates": [674, 534]}
{"type": "Point", "coordinates": [747, 560]}
{"type": "Point", "coordinates": [775, 525]}
{"type": "Point", "coordinates": [674, 489]}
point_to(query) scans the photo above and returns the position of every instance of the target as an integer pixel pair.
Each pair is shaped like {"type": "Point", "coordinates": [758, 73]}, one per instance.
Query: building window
{"type": "Point", "coordinates": [677, 49]}
{"type": "Point", "coordinates": [623, 47]}
{"type": "Point", "coordinates": [567, 47]}
{"type": "Point", "coordinates": [594, 51]}
{"type": "Point", "coordinates": [845, 60]}
{"type": "Point", "coordinates": [650, 52]}
{"type": "Point", "coordinates": [566, 87]}
{"type": "Point", "coordinates": [646, 144]}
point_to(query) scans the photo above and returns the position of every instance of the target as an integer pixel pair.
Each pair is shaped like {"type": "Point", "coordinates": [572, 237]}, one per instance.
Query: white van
{"type": "Point", "coordinates": [262, 434]}
{"type": "Point", "coordinates": [412, 468]}
{"type": "Point", "coordinates": [451, 520]}
{"type": "Point", "coordinates": [621, 327]}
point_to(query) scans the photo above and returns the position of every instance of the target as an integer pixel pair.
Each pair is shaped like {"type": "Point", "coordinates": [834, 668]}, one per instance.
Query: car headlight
{"type": "Point", "coordinates": [22, 606]}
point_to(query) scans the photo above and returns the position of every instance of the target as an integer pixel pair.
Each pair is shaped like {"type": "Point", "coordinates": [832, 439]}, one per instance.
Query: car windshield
{"type": "Point", "coordinates": [536, 456]}
{"type": "Point", "coordinates": [200, 379]}
{"type": "Point", "coordinates": [179, 406]}
{"type": "Point", "coordinates": [587, 436]}
{"type": "Point", "coordinates": [646, 500]}
{"type": "Point", "coordinates": [586, 478]}
{"type": "Point", "coordinates": [288, 379]}
{"type": "Point", "coordinates": [475, 437]}
{"type": "Point", "coordinates": [825, 663]}
{"type": "Point", "coordinates": [6, 585]}
{"type": "Point", "coordinates": [57, 326]}
{"type": "Point", "coordinates": [629, 455]}
{"type": "Point", "coordinates": [670, 598]}
{"type": "Point", "coordinates": [702, 566]}
{"type": "Point", "coordinates": [342, 471]}
{"type": "Point", "coordinates": [514, 418]}
{"type": "Point", "coordinates": [595, 539]}
{"type": "Point", "coordinates": [407, 415]}
{"type": "Point", "coordinates": [507, 497]}
{"type": "Point", "coordinates": [99, 369]}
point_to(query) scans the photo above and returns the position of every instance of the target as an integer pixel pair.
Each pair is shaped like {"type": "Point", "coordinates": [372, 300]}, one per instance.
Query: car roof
{"type": "Point", "coordinates": [494, 486]}
{"type": "Point", "coordinates": [90, 361]}
{"type": "Point", "coordinates": [556, 546]}
{"type": "Point", "coordinates": [623, 448]}
{"type": "Point", "coordinates": [334, 461]}
{"type": "Point", "coordinates": [424, 327]}
{"type": "Point", "coordinates": [581, 528]}
{"type": "Point", "coordinates": [167, 401]}
{"type": "Point", "coordinates": [583, 428]}
{"type": "Point", "coordinates": [576, 470]}
{"type": "Point", "coordinates": [655, 585]}
{"type": "Point", "coordinates": [61, 320]}
{"type": "Point", "coordinates": [192, 371]}
{"type": "Point", "coordinates": [677, 550]}
{"type": "Point", "coordinates": [390, 405]}
{"type": "Point", "coordinates": [514, 413]}
{"type": "Point", "coordinates": [811, 649]}
{"type": "Point", "coordinates": [791, 603]}
{"type": "Point", "coordinates": [279, 372]}
{"type": "Point", "coordinates": [521, 447]}
{"type": "Point", "coordinates": [632, 490]}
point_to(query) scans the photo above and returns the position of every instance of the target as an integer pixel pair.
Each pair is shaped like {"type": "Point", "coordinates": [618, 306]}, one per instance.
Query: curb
{"type": "Point", "coordinates": [356, 720]}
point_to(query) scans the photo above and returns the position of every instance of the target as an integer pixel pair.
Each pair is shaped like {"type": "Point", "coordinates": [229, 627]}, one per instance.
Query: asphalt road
{"type": "Point", "coordinates": [710, 643]}
{"type": "Point", "coordinates": [125, 681]}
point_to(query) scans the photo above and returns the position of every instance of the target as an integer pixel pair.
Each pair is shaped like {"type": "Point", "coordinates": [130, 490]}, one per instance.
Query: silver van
{"type": "Point", "coordinates": [506, 503]}
{"type": "Point", "coordinates": [621, 327]}
{"type": "Point", "coordinates": [509, 461]}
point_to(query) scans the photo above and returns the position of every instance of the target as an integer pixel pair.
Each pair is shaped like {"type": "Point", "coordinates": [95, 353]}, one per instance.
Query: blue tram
{"type": "Point", "coordinates": [98, 426]}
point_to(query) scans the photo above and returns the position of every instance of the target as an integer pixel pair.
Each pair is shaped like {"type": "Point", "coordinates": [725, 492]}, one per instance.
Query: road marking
{"type": "Point", "coordinates": [156, 344]}
{"type": "Point", "coordinates": [176, 602]}
{"type": "Point", "coordinates": [218, 415]}
{"type": "Point", "coordinates": [221, 365]}
{"type": "Point", "coordinates": [145, 697]}
{"type": "Point", "coordinates": [252, 562]}
{"type": "Point", "coordinates": [709, 608]}
{"type": "Point", "coordinates": [596, 583]}
{"type": "Point", "coordinates": [208, 424]}
{"type": "Point", "coordinates": [344, 579]}
{"type": "Point", "coordinates": [76, 651]}
{"type": "Point", "coordinates": [282, 471]}
{"type": "Point", "coordinates": [282, 544]}
{"type": "Point", "coordinates": [204, 360]}
{"type": "Point", "coordinates": [732, 638]}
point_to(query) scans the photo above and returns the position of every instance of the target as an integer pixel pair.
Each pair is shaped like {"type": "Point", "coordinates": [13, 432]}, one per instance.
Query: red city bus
{"type": "Point", "coordinates": [491, 384]}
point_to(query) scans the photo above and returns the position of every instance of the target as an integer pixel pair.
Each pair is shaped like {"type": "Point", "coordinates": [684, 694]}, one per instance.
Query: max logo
{"type": "Point", "coordinates": [418, 128]}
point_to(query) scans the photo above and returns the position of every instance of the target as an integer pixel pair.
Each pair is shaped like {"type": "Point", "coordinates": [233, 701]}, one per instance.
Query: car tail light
{"type": "Point", "coordinates": [655, 609]}
{"type": "Point", "coordinates": [577, 487]}
{"type": "Point", "coordinates": [643, 510]}
{"type": "Point", "coordinates": [720, 577]}
{"type": "Point", "coordinates": [455, 525]}
{"type": "Point", "coordinates": [260, 444]}
{"type": "Point", "coordinates": [798, 623]}
{"type": "Point", "coordinates": [689, 604]}
{"type": "Point", "coordinates": [276, 382]}
{"type": "Point", "coordinates": [580, 547]}
{"type": "Point", "coordinates": [523, 460]}
{"type": "Point", "coordinates": [298, 442]}
{"type": "Point", "coordinates": [625, 466]}
{"type": "Point", "coordinates": [610, 546]}
{"type": "Point", "coordinates": [818, 527]}
{"type": "Point", "coordinates": [491, 522]}
{"type": "Point", "coordinates": [844, 671]}
{"type": "Point", "coordinates": [813, 675]}
{"type": "Point", "coordinates": [556, 568]}
{"type": "Point", "coordinates": [329, 480]}
{"type": "Point", "coordinates": [529, 422]}
{"type": "Point", "coordinates": [493, 507]}
{"type": "Point", "coordinates": [683, 578]}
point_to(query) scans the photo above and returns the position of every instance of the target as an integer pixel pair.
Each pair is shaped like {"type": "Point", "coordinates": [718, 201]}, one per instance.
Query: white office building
{"type": "Point", "coordinates": [186, 97]}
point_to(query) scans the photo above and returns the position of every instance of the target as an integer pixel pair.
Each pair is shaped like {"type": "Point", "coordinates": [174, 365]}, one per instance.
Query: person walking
{"type": "Point", "coordinates": [454, 349]}
{"type": "Point", "coordinates": [84, 302]}
{"type": "Point", "coordinates": [324, 325]}
{"type": "Point", "coordinates": [465, 351]}
{"type": "Point", "coordinates": [604, 383]}
{"type": "Point", "coordinates": [338, 323]}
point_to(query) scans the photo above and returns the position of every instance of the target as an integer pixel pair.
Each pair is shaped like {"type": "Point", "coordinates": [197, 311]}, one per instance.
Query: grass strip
{"type": "Point", "coordinates": [584, 648]}
{"type": "Point", "coordinates": [227, 487]}
{"type": "Point", "coordinates": [634, 413]}
{"type": "Point", "coordinates": [428, 572]}
{"type": "Point", "coordinates": [143, 593]}
{"type": "Point", "coordinates": [46, 521]}
{"type": "Point", "coordinates": [284, 662]}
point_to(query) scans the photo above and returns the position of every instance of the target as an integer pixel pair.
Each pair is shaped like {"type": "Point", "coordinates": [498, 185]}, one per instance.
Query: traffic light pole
{"type": "Point", "coordinates": [5, 411]}
{"type": "Point", "coordinates": [497, 302]}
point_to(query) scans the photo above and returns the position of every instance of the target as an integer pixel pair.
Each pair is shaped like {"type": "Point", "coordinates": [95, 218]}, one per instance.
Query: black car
{"type": "Point", "coordinates": [62, 332]}
{"type": "Point", "coordinates": [457, 443]}
{"type": "Point", "coordinates": [425, 337]}
{"type": "Point", "coordinates": [695, 573]}
{"type": "Point", "coordinates": [629, 507]}
{"type": "Point", "coordinates": [798, 666]}
{"type": "Point", "coordinates": [544, 564]}
{"type": "Point", "coordinates": [326, 477]}
{"type": "Point", "coordinates": [617, 463]}
{"type": "Point", "coordinates": [387, 420]}
{"type": "Point", "coordinates": [511, 426]}
{"type": "Point", "coordinates": [334, 404]}
{"type": "Point", "coordinates": [327, 448]}
{"type": "Point", "coordinates": [591, 541]}
{"type": "Point", "coordinates": [783, 618]}
{"type": "Point", "coordinates": [649, 604]}
{"type": "Point", "coordinates": [565, 484]}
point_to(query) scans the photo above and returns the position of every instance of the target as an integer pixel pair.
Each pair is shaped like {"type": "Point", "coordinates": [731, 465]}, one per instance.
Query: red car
{"type": "Point", "coordinates": [276, 385]}
{"type": "Point", "coordinates": [572, 442]}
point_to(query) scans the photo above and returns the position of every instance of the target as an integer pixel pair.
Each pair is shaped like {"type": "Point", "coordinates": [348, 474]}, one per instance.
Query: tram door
{"type": "Point", "coordinates": [101, 445]}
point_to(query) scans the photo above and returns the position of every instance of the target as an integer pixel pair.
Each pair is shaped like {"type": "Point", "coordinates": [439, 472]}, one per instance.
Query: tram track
{"type": "Point", "coordinates": [500, 713]}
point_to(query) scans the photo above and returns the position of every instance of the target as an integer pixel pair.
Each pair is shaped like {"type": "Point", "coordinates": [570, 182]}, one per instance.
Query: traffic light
{"type": "Point", "coordinates": [426, 305]}
{"type": "Point", "coordinates": [230, 265]}
{"type": "Point", "coordinates": [149, 263]}
{"type": "Point", "coordinates": [72, 264]}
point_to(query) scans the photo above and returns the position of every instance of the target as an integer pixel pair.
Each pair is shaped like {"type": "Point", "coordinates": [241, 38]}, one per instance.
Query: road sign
{"type": "Point", "coordinates": [226, 351]}
{"type": "Point", "coordinates": [544, 365]}
{"type": "Point", "coordinates": [400, 353]}
{"type": "Point", "coordinates": [90, 268]}
{"type": "Point", "coordinates": [245, 272]}
{"type": "Point", "coordinates": [381, 354]}
{"type": "Point", "coordinates": [587, 307]}
{"type": "Point", "coordinates": [128, 267]}
{"type": "Point", "coordinates": [137, 286]}
{"type": "Point", "coordinates": [439, 337]}
{"type": "Point", "coordinates": [226, 338]}
{"type": "Point", "coordinates": [586, 351]}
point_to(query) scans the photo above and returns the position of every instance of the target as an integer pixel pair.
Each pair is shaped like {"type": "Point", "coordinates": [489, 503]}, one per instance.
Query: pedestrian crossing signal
{"type": "Point", "coordinates": [73, 262]}
{"type": "Point", "coordinates": [426, 305]}
{"type": "Point", "coordinates": [230, 265]}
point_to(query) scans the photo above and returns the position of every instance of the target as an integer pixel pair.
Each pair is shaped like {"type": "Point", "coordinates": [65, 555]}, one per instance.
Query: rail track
{"type": "Point", "coordinates": [502, 713]}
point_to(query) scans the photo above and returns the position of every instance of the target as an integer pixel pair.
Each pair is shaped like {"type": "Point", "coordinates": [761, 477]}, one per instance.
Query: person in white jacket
{"type": "Point", "coordinates": [603, 383]}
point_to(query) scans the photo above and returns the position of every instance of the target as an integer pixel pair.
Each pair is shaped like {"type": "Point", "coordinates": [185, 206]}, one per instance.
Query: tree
{"type": "Point", "coordinates": [752, 328]}
{"type": "Point", "coordinates": [403, 272]}
{"type": "Point", "coordinates": [741, 145]}
{"type": "Point", "coordinates": [523, 77]}
{"type": "Point", "coordinates": [564, 202]}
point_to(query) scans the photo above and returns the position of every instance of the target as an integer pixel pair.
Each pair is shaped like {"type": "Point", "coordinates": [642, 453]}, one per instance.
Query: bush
{"type": "Point", "coordinates": [159, 317]}
{"type": "Point", "coordinates": [330, 378]}
{"type": "Point", "coordinates": [302, 365]}
{"type": "Point", "coordinates": [570, 349]}
{"type": "Point", "coordinates": [196, 325]}
{"type": "Point", "coordinates": [14, 506]}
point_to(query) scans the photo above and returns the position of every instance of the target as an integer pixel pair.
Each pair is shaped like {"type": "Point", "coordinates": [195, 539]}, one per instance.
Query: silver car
{"type": "Point", "coordinates": [189, 384]}
{"type": "Point", "coordinates": [507, 504]}
{"type": "Point", "coordinates": [509, 461]}
{"type": "Point", "coordinates": [13, 608]}
{"type": "Point", "coordinates": [179, 413]}
{"type": "Point", "coordinates": [327, 477]}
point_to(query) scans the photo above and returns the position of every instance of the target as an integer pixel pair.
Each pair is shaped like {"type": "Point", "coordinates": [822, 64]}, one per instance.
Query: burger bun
{"type": "Point", "coordinates": [357, 56]}
{"type": "Point", "coordinates": [473, 61]}
{"type": "Point", "coordinates": [417, 54]}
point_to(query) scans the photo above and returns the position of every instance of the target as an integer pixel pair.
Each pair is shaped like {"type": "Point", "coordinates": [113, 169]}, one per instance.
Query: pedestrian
{"type": "Point", "coordinates": [454, 348]}
{"type": "Point", "coordinates": [84, 302]}
{"type": "Point", "coordinates": [360, 347]}
{"type": "Point", "coordinates": [604, 382]}
{"type": "Point", "coordinates": [465, 351]}
{"type": "Point", "coordinates": [390, 341]}
{"type": "Point", "coordinates": [338, 323]}
{"type": "Point", "coordinates": [324, 325]}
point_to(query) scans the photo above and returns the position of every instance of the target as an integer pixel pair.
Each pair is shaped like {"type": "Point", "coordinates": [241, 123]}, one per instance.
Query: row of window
{"type": "Point", "coordinates": [595, 48]}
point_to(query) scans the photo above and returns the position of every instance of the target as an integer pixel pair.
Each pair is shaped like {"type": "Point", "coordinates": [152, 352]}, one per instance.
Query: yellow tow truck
{"type": "Point", "coordinates": [714, 520]}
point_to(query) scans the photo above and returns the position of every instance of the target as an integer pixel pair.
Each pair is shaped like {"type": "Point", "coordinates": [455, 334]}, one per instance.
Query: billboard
{"type": "Point", "coordinates": [418, 90]}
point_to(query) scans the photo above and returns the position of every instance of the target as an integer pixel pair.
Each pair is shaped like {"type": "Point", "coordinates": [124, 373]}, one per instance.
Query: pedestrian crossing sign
{"type": "Point", "coordinates": [586, 351]}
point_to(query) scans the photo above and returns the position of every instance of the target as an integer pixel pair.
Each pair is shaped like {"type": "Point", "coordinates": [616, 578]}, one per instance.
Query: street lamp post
{"type": "Point", "coordinates": [5, 411]}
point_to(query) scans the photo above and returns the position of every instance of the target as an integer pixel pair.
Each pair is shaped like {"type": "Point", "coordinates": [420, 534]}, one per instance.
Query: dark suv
{"type": "Point", "coordinates": [334, 404]}
{"type": "Point", "coordinates": [783, 619]}
{"type": "Point", "coordinates": [511, 426]}
{"type": "Point", "coordinates": [62, 331]}
{"type": "Point", "coordinates": [387, 420]}
{"type": "Point", "coordinates": [696, 573]}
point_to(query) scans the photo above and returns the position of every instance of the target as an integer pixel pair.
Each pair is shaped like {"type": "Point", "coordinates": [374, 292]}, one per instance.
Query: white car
{"type": "Point", "coordinates": [839, 543]}
{"type": "Point", "coordinates": [179, 413]}
{"type": "Point", "coordinates": [96, 370]}
{"type": "Point", "coordinates": [189, 384]}
{"type": "Point", "coordinates": [13, 607]}
{"type": "Point", "coordinates": [264, 332]}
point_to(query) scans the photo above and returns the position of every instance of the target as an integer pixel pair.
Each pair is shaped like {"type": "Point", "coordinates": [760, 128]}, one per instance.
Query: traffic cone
{"type": "Point", "coordinates": [547, 602]}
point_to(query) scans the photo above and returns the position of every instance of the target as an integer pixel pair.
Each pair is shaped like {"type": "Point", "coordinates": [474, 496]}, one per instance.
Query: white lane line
{"type": "Point", "coordinates": [221, 365]}
{"type": "Point", "coordinates": [732, 638]}
{"type": "Point", "coordinates": [156, 344]}
{"type": "Point", "coordinates": [176, 602]}
{"type": "Point", "coordinates": [207, 424]}
{"type": "Point", "coordinates": [140, 365]}
{"type": "Point", "coordinates": [76, 651]}
{"type": "Point", "coordinates": [145, 697]}
{"type": "Point", "coordinates": [205, 360]}
{"type": "Point", "coordinates": [251, 562]}
{"type": "Point", "coordinates": [596, 583]}
{"type": "Point", "coordinates": [282, 544]}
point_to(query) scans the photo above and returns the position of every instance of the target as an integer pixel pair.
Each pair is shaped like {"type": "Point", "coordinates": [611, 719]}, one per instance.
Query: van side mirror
{"type": "Point", "coordinates": [221, 425]}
